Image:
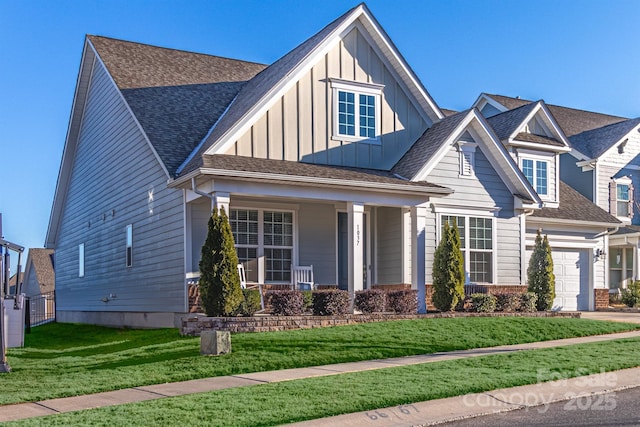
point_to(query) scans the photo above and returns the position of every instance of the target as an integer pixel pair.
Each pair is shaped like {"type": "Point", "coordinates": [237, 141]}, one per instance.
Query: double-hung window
{"type": "Point", "coordinates": [622, 199]}
{"type": "Point", "coordinates": [267, 233]}
{"type": "Point", "coordinates": [476, 244]}
{"type": "Point", "coordinates": [537, 173]}
{"type": "Point", "coordinates": [357, 111]}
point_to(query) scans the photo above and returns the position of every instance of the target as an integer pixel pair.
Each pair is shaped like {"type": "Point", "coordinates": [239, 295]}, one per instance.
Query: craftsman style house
{"type": "Point", "coordinates": [602, 165]}
{"type": "Point", "coordinates": [334, 156]}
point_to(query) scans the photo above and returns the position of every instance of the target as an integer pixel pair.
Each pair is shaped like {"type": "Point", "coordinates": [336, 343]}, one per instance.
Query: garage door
{"type": "Point", "coordinates": [571, 268]}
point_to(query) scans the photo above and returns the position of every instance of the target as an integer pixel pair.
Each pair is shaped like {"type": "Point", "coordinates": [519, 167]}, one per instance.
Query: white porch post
{"type": "Point", "coordinates": [418, 242]}
{"type": "Point", "coordinates": [636, 260]}
{"type": "Point", "coordinates": [355, 220]}
{"type": "Point", "coordinates": [222, 200]}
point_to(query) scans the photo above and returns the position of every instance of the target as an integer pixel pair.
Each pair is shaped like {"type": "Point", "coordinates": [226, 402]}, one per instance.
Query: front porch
{"type": "Point", "coordinates": [623, 258]}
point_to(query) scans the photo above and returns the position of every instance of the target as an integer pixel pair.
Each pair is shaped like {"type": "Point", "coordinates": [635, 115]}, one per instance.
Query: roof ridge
{"type": "Point", "coordinates": [191, 52]}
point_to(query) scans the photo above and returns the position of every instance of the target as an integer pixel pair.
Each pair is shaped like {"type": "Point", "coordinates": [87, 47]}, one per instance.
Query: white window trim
{"type": "Point", "coordinates": [535, 161]}
{"type": "Point", "coordinates": [81, 260]}
{"type": "Point", "coordinates": [624, 180]}
{"type": "Point", "coordinates": [262, 272]}
{"type": "Point", "coordinates": [357, 88]}
{"type": "Point", "coordinates": [129, 247]}
{"type": "Point", "coordinates": [467, 236]}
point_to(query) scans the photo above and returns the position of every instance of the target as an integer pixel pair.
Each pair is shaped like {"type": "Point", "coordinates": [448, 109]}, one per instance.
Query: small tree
{"type": "Point", "coordinates": [542, 281]}
{"type": "Point", "coordinates": [448, 270]}
{"type": "Point", "coordinates": [219, 284]}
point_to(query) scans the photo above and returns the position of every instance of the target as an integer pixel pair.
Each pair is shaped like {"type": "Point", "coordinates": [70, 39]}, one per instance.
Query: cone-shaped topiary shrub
{"type": "Point", "coordinates": [448, 270]}
{"type": "Point", "coordinates": [219, 284]}
{"type": "Point", "coordinates": [542, 281]}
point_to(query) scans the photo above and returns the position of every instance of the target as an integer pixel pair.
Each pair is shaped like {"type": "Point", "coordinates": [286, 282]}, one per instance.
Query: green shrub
{"type": "Point", "coordinates": [483, 303]}
{"type": "Point", "coordinates": [286, 303]}
{"type": "Point", "coordinates": [251, 303]}
{"type": "Point", "coordinates": [370, 300]}
{"type": "Point", "coordinates": [631, 295]}
{"type": "Point", "coordinates": [307, 304]}
{"type": "Point", "coordinates": [507, 301]}
{"type": "Point", "coordinates": [220, 292]}
{"type": "Point", "coordinates": [448, 270]}
{"type": "Point", "coordinates": [403, 301]}
{"type": "Point", "coordinates": [528, 302]}
{"type": "Point", "coordinates": [331, 302]}
{"type": "Point", "coordinates": [542, 281]}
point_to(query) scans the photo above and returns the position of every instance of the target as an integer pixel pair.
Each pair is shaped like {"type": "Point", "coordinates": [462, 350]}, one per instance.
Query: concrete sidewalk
{"type": "Point", "coordinates": [158, 391]}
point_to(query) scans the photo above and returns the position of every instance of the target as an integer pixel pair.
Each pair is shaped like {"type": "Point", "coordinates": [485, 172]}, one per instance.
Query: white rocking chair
{"type": "Point", "coordinates": [243, 285]}
{"type": "Point", "coordinates": [302, 278]}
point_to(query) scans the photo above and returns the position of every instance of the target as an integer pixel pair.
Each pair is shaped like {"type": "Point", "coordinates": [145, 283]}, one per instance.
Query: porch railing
{"type": "Point", "coordinates": [40, 309]}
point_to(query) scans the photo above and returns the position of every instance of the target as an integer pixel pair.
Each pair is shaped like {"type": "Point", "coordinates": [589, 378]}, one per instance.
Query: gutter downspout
{"type": "Point", "coordinates": [523, 244]}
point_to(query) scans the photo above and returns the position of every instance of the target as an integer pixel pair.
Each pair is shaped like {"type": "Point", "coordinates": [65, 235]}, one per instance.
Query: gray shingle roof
{"type": "Point", "coordinates": [448, 112]}
{"type": "Point", "coordinates": [43, 268]}
{"type": "Point", "coordinates": [571, 120]}
{"type": "Point", "coordinates": [259, 86]}
{"type": "Point", "coordinates": [504, 124]}
{"type": "Point", "coordinates": [427, 145]}
{"type": "Point", "coordinates": [176, 96]}
{"type": "Point", "coordinates": [595, 142]}
{"type": "Point", "coordinates": [291, 168]}
{"type": "Point", "coordinates": [575, 207]}
{"type": "Point", "coordinates": [539, 139]}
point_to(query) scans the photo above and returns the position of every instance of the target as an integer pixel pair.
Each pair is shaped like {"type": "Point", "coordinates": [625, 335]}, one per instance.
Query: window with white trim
{"type": "Point", "coordinates": [129, 251]}
{"type": "Point", "coordinates": [537, 173]}
{"type": "Point", "coordinates": [81, 260]}
{"type": "Point", "coordinates": [356, 111]}
{"type": "Point", "coordinates": [257, 231]}
{"type": "Point", "coordinates": [476, 244]}
{"type": "Point", "coordinates": [621, 197]}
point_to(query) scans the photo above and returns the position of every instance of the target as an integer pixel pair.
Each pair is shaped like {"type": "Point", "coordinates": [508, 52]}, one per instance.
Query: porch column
{"type": "Point", "coordinates": [355, 220]}
{"type": "Point", "coordinates": [222, 200]}
{"type": "Point", "coordinates": [418, 242]}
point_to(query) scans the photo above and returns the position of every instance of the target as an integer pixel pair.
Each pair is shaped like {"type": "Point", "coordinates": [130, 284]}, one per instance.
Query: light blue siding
{"type": "Point", "coordinates": [116, 181]}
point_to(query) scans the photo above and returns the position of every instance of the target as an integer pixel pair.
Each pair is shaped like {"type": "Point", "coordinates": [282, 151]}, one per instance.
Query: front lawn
{"type": "Point", "coordinates": [65, 360]}
{"type": "Point", "coordinates": [291, 401]}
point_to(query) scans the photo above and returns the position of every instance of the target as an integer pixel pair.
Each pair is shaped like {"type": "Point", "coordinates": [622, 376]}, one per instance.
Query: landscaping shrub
{"type": "Point", "coordinates": [528, 302]}
{"type": "Point", "coordinates": [307, 297]}
{"type": "Point", "coordinates": [370, 300]}
{"type": "Point", "coordinates": [251, 303]}
{"type": "Point", "coordinates": [483, 303]}
{"type": "Point", "coordinates": [286, 303]}
{"type": "Point", "coordinates": [331, 302]}
{"type": "Point", "coordinates": [403, 301]}
{"type": "Point", "coordinates": [507, 301]}
{"type": "Point", "coordinates": [220, 292]}
{"type": "Point", "coordinates": [631, 295]}
{"type": "Point", "coordinates": [540, 275]}
{"type": "Point", "coordinates": [448, 270]}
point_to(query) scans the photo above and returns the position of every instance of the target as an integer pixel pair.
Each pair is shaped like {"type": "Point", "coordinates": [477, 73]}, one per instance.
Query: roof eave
{"type": "Point", "coordinates": [575, 222]}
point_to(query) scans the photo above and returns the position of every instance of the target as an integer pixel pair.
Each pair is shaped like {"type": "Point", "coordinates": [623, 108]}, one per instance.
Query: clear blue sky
{"type": "Point", "coordinates": [577, 53]}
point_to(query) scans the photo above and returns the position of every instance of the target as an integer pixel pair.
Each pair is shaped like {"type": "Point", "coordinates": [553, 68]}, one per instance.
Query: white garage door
{"type": "Point", "coordinates": [571, 268]}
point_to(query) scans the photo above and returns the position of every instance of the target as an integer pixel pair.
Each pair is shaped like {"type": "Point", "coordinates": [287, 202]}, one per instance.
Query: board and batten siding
{"type": "Point", "coordinates": [486, 189]}
{"type": "Point", "coordinates": [606, 172]}
{"type": "Point", "coordinates": [389, 248]}
{"type": "Point", "coordinates": [573, 175]}
{"type": "Point", "coordinates": [299, 126]}
{"type": "Point", "coordinates": [116, 180]}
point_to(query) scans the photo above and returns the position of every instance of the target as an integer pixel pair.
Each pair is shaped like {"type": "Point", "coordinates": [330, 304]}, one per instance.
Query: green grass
{"type": "Point", "coordinates": [65, 360]}
{"type": "Point", "coordinates": [286, 402]}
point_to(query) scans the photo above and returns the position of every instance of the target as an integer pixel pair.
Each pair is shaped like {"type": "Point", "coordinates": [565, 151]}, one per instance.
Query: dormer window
{"type": "Point", "coordinates": [621, 197]}
{"type": "Point", "coordinates": [356, 111]}
{"type": "Point", "coordinates": [537, 173]}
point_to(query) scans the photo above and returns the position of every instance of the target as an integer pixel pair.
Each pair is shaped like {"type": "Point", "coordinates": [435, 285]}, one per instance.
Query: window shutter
{"type": "Point", "coordinates": [613, 198]}
{"type": "Point", "coordinates": [631, 200]}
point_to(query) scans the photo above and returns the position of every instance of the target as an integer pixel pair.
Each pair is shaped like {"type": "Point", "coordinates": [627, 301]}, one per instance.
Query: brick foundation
{"type": "Point", "coordinates": [193, 325]}
{"type": "Point", "coordinates": [601, 299]}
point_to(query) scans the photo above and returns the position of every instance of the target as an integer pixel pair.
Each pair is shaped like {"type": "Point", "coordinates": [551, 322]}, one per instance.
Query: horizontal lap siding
{"type": "Point", "coordinates": [389, 245]}
{"type": "Point", "coordinates": [486, 189]}
{"type": "Point", "coordinates": [114, 174]}
{"type": "Point", "coordinates": [317, 233]}
{"type": "Point", "coordinates": [299, 126]}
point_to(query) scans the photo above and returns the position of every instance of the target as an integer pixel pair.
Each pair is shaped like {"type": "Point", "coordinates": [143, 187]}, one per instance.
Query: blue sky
{"type": "Point", "coordinates": [578, 53]}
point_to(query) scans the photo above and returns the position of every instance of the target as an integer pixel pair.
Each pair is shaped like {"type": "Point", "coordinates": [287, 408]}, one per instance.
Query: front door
{"type": "Point", "coordinates": [343, 251]}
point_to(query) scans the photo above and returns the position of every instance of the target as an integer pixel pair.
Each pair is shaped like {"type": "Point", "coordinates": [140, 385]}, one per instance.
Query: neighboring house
{"type": "Point", "coordinates": [39, 276]}
{"type": "Point", "coordinates": [12, 282]}
{"type": "Point", "coordinates": [334, 156]}
{"type": "Point", "coordinates": [603, 166]}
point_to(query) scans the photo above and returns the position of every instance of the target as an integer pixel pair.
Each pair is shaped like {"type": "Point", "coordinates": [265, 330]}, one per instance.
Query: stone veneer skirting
{"type": "Point", "coordinates": [192, 325]}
